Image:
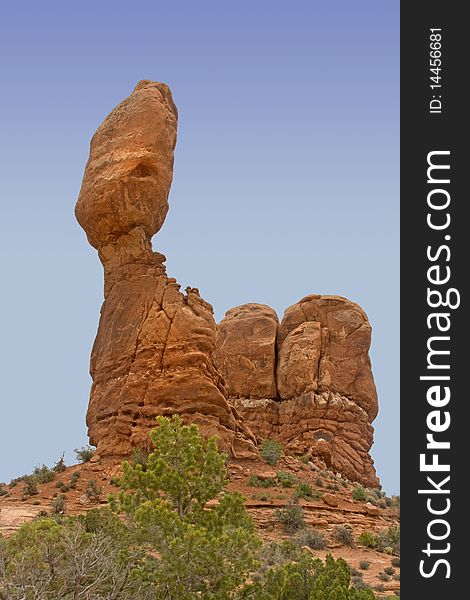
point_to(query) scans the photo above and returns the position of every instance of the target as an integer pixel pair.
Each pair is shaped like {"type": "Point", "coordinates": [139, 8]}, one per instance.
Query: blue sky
{"type": "Point", "coordinates": [286, 181]}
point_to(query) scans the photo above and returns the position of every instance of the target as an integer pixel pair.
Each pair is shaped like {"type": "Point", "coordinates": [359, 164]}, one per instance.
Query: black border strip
{"type": "Point", "coordinates": [423, 246]}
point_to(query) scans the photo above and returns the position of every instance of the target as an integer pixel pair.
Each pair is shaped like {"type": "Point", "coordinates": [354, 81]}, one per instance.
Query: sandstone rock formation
{"type": "Point", "coordinates": [153, 350]}
{"type": "Point", "coordinates": [306, 381]}
{"type": "Point", "coordinates": [311, 384]}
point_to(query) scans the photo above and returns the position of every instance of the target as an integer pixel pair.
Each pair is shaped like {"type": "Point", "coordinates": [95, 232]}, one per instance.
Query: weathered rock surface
{"type": "Point", "coordinates": [344, 363]}
{"type": "Point", "coordinates": [319, 398]}
{"type": "Point", "coordinates": [246, 351]}
{"type": "Point", "coordinates": [153, 350]}
{"type": "Point", "coordinates": [306, 381]}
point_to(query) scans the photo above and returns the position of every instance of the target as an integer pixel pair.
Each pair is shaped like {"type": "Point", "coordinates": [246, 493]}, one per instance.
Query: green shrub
{"type": "Point", "coordinates": [292, 517]}
{"type": "Point", "coordinates": [359, 493]}
{"type": "Point", "coordinates": [43, 474]}
{"type": "Point", "coordinates": [60, 465]}
{"type": "Point", "coordinates": [388, 541]}
{"type": "Point", "coordinates": [3, 491]}
{"type": "Point", "coordinates": [396, 577]}
{"type": "Point", "coordinates": [271, 451]}
{"type": "Point", "coordinates": [379, 587]}
{"type": "Point", "coordinates": [343, 535]}
{"type": "Point", "coordinates": [140, 456]}
{"type": "Point", "coordinates": [255, 481]}
{"type": "Point", "coordinates": [63, 487]}
{"type": "Point", "coordinates": [396, 562]}
{"type": "Point", "coordinates": [73, 480]}
{"type": "Point", "coordinates": [14, 482]}
{"type": "Point", "coordinates": [312, 538]}
{"type": "Point", "coordinates": [286, 479]}
{"type": "Point", "coordinates": [93, 491]}
{"type": "Point", "coordinates": [305, 577]}
{"type": "Point", "coordinates": [367, 539]}
{"type": "Point", "coordinates": [319, 482]}
{"type": "Point", "coordinates": [383, 576]}
{"type": "Point", "coordinates": [303, 490]}
{"type": "Point", "coordinates": [58, 505]}
{"type": "Point", "coordinates": [364, 565]}
{"type": "Point", "coordinates": [30, 488]}
{"type": "Point", "coordinates": [359, 583]}
{"type": "Point", "coordinates": [84, 454]}
{"type": "Point", "coordinates": [389, 570]}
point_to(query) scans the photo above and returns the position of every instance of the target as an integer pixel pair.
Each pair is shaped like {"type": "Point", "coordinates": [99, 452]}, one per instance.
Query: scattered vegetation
{"type": "Point", "coordinates": [383, 576]}
{"type": "Point", "coordinates": [63, 487]}
{"type": "Point", "coordinates": [58, 505]}
{"type": "Point", "coordinates": [303, 490]}
{"type": "Point", "coordinates": [343, 535]}
{"type": "Point", "coordinates": [271, 451]}
{"type": "Point", "coordinates": [360, 584]}
{"type": "Point", "coordinates": [389, 571]}
{"type": "Point", "coordinates": [364, 565]}
{"type": "Point", "coordinates": [93, 491]}
{"type": "Point", "coordinates": [286, 479]}
{"type": "Point", "coordinates": [138, 548]}
{"type": "Point", "coordinates": [312, 538]}
{"type": "Point", "coordinates": [292, 517]}
{"type": "Point", "coordinates": [73, 479]}
{"type": "Point", "coordinates": [30, 488]}
{"type": "Point", "coordinates": [395, 562]}
{"type": "Point", "coordinates": [367, 539]}
{"type": "Point", "coordinates": [60, 465]}
{"type": "Point", "coordinates": [319, 482]}
{"type": "Point", "coordinates": [359, 493]}
{"type": "Point", "coordinates": [84, 454]}
{"type": "Point", "coordinates": [255, 481]}
{"type": "Point", "coordinates": [388, 541]}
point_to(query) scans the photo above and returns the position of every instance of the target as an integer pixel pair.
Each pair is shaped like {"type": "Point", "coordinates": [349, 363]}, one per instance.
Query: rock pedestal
{"type": "Point", "coordinates": [153, 350]}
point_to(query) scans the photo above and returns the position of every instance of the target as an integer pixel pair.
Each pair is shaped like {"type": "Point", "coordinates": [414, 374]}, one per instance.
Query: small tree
{"type": "Point", "coordinates": [201, 553]}
{"type": "Point", "coordinates": [184, 469]}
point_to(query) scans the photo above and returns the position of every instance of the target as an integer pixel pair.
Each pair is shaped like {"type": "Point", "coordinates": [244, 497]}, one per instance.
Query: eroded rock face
{"type": "Point", "coordinates": [246, 351]}
{"type": "Point", "coordinates": [344, 363]}
{"type": "Point", "coordinates": [325, 398]}
{"type": "Point", "coordinates": [153, 350]}
{"type": "Point", "coordinates": [306, 381]}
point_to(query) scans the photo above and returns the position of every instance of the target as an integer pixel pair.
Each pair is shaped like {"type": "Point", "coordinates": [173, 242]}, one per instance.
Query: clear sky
{"type": "Point", "coordinates": [286, 181]}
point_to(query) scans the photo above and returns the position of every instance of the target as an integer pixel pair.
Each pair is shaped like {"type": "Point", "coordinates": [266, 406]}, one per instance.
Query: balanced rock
{"type": "Point", "coordinates": [153, 350]}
